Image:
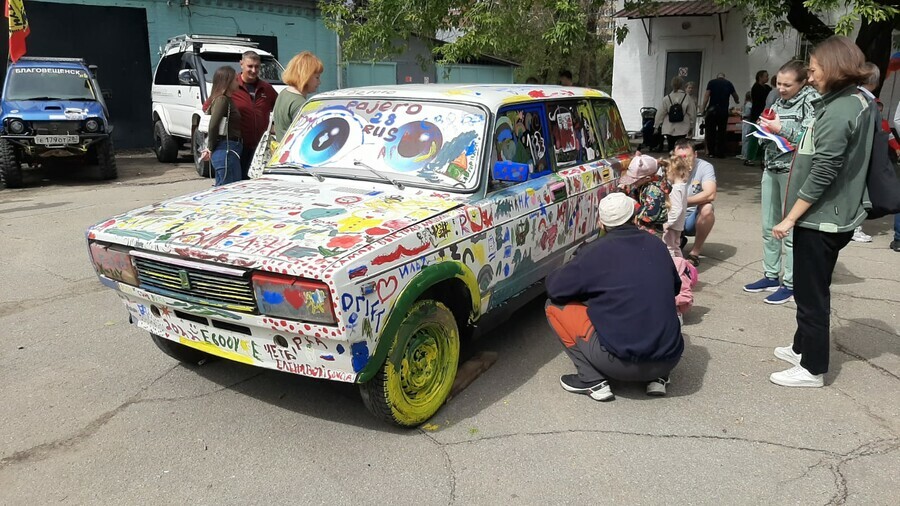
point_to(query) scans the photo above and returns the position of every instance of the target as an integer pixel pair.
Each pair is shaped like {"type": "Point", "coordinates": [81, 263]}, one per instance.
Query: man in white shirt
{"type": "Point", "coordinates": [700, 218]}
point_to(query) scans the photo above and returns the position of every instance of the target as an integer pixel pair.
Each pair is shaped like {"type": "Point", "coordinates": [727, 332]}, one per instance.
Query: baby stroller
{"type": "Point", "coordinates": [652, 138]}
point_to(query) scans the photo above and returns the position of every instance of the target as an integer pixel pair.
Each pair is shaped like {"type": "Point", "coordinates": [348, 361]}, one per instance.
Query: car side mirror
{"type": "Point", "coordinates": [510, 171]}
{"type": "Point", "coordinates": [93, 69]}
{"type": "Point", "coordinates": [188, 77]}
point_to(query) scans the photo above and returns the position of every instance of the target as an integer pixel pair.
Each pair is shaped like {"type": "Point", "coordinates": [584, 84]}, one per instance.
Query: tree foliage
{"type": "Point", "coordinates": [544, 36]}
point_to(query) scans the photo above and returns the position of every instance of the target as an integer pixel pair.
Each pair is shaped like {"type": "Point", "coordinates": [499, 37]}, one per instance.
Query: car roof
{"type": "Point", "coordinates": [49, 62]}
{"type": "Point", "coordinates": [219, 48]}
{"type": "Point", "coordinates": [490, 95]}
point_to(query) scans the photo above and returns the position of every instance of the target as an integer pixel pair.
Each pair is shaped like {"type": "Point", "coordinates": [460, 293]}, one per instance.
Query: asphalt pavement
{"type": "Point", "coordinates": [92, 413]}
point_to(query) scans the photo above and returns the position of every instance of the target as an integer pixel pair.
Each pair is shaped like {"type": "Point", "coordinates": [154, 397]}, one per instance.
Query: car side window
{"type": "Point", "coordinates": [572, 133]}
{"type": "Point", "coordinates": [519, 137]}
{"type": "Point", "coordinates": [167, 70]}
{"type": "Point", "coordinates": [610, 129]}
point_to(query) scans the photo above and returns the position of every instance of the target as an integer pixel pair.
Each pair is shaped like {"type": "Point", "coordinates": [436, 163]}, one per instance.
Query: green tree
{"type": "Point", "coordinates": [544, 36]}
{"type": "Point", "coordinates": [767, 20]}
{"type": "Point", "coordinates": [876, 20]}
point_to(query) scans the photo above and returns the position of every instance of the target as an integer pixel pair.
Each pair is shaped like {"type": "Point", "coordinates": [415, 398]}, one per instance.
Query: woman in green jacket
{"type": "Point", "coordinates": [826, 199]}
{"type": "Point", "coordinates": [302, 75]}
{"type": "Point", "coordinates": [793, 115]}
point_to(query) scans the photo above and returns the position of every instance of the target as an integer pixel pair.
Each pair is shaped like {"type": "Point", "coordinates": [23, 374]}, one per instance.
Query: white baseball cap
{"type": "Point", "coordinates": [615, 209]}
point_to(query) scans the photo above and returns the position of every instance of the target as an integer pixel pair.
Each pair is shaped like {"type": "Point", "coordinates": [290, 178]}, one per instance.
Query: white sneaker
{"type": "Point", "coordinates": [860, 236]}
{"type": "Point", "coordinates": [787, 354]}
{"type": "Point", "coordinates": [797, 376]}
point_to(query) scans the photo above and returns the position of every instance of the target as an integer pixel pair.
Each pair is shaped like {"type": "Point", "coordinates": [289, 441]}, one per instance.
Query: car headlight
{"type": "Point", "coordinates": [17, 126]}
{"type": "Point", "coordinates": [91, 126]}
{"type": "Point", "coordinates": [293, 298]}
{"type": "Point", "coordinates": [113, 262]}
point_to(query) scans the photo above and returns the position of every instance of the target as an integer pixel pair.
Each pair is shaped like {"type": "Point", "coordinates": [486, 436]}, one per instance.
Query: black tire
{"type": "Point", "coordinates": [165, 146]}
{"type": "Point", "coordinates": [409, 389]}
{"type": "Point", "coordinates": [180, 352]}
{"type": "Point", "coordinates": [198, 143]}
{"type": "Point", "coordinates": [106, 159]}
{"type": "Point", "coordinates": [10, 166]}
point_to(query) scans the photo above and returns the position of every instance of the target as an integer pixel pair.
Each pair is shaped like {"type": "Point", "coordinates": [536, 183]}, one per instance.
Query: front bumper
{"type": "Point", "coordinates": [32, 148]}
{"type": "Point", "coordinates": [250, 339]}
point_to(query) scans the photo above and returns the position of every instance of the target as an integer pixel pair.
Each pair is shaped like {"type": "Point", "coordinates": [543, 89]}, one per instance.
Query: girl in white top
{"type": "Point", "coordinates": [677, 172]}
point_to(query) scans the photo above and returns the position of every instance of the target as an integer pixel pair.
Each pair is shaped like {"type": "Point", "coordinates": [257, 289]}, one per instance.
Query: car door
{"type": "Point", "coordinates": [515, 211]}
{"type": "Point", "coordinates": [577, 158]}
{"type": "Point", "coordinates": [185, 101]}
{"type": "Point", "coordinates": [166, 88]}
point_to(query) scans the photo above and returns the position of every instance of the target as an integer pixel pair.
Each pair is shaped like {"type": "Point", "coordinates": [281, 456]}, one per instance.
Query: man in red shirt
{"type": "Point", "coordinates": [255, 99]}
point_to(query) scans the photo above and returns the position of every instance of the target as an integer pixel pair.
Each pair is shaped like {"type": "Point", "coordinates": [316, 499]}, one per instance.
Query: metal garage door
{"type": "Point", "coordinates": [114, 39]}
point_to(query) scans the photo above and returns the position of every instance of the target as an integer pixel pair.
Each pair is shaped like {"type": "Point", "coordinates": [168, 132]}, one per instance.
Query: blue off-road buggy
{"type": "Point", "coordinates": [52, 108]}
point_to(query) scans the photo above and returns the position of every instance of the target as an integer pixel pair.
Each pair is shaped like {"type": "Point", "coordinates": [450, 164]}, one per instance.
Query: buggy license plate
{"type": "Point", "coordinates": [55, 140]}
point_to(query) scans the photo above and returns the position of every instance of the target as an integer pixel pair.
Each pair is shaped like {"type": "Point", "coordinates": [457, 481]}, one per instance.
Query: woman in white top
{"type": "Point", "coordinates": [677, 113]}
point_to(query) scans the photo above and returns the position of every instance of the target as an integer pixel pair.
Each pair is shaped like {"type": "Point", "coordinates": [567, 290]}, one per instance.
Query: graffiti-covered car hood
{"type": "Point", "coordinates": [287, 225]}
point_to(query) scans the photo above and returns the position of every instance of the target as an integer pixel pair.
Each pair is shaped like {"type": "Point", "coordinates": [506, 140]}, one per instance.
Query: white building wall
{"type": "Point", "coordinates": [638, 76]}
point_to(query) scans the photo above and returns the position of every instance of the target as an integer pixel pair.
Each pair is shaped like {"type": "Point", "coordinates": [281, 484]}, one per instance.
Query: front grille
{"type": "Point", "coordinates": [57, 127]}
{"type": "Point", "coordinates": [196, 285]}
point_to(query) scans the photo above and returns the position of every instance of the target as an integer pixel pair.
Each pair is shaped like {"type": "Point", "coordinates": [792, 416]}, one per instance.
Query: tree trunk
{"type": "Point", "coordinates": [808, 23]}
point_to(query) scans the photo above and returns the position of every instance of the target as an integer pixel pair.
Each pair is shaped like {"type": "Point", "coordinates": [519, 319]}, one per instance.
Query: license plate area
{"type": "Point", "coordinates": [55, 140]}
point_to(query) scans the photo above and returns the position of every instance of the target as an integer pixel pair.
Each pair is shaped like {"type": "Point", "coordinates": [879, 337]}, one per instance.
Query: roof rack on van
{"type": "Point", "coordinates": [52, 58]}
{"type": "Point", "coordinates": [213, 39]}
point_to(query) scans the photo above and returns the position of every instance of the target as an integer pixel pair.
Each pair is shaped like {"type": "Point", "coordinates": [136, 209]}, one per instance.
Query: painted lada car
{"type": "Point", "coordinates": [391, 224]}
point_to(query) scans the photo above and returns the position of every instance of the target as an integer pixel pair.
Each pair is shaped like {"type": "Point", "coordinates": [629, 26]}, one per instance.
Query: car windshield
{"type": "Point", "coordinates": [410, 142]}
{"type": "Point", "coordinates": [48, 83]}
{"type": "Point", "coordinates": [270, 70]}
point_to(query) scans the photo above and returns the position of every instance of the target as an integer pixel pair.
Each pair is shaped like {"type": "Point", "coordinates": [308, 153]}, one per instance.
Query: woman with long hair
{"type": "Point", "coordinates": [793, 115]}
{"type": "Point", "coordinates": [826, 201]}
{"type": "Point", "coordinates": [303, 76]}
{"type": "Point", "coordinates": [224, 145]}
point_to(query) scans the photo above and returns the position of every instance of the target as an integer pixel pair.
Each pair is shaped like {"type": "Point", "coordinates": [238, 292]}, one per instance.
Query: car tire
{"type": "Point", "coordinates": [10, 166]}
{"type": "Point", "coordinates": [180, 352]}
{"type": "Point", "coordinates": [417, 375]}
{"type": "Point", "coordinates": [165, 146]}
{"type": "Point", "coordinates": [106, 159]}
{"type": "Point", "coordinates": [198, 142]}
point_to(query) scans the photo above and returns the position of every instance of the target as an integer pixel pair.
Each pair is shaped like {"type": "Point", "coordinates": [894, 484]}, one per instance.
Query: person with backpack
{"type": "Point", "coordinates": [826, 201]}
{"type": "Point", "coordinates": [677, 113]}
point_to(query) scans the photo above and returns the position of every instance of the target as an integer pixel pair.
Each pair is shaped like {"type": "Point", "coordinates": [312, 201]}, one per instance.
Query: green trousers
{"type": "Point", "coordinates": [774, 188]}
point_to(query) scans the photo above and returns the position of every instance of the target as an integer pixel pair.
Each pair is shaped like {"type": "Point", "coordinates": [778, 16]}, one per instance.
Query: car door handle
{"type": "Point", "coordinates": [558, 190]}
{"type": "Point", "coordinates": [179, 93]}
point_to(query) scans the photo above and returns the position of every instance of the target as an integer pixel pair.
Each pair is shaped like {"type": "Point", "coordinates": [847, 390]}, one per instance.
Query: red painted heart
{"type": "Point", "coordinates": [385, 288]}
{"type": "Point", "coordinates": [377, 231]}
{"type": "Point", "coordinates": [294, 298]}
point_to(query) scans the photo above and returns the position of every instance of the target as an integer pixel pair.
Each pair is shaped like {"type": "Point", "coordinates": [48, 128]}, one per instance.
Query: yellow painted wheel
{"type": "Point", "coordinates": [420, 369]}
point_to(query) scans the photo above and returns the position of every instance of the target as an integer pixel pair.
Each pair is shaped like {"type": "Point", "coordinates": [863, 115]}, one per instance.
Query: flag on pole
{"type": "Point", "coordinates": [18, 28]}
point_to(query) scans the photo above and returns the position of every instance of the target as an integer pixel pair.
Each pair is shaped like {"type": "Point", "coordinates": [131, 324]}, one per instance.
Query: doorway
{"type": "Point", "coordinates": [685, 64]}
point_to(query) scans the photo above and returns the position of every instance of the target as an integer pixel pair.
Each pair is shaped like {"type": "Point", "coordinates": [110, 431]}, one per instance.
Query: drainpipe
{"type": "Point", "coordinates": [340, 71]}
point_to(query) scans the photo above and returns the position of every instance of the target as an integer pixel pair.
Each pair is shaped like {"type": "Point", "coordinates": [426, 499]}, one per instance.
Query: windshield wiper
{"type": "Point", "coordinates": [41, 98]}
{"type": "Point", "coordinates": [293, 168]}
{"type": "Point", "coordinates": [380, 175]}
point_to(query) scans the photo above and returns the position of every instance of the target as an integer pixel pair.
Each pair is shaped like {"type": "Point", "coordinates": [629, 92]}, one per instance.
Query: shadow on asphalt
{"type": "Point", "coordinates": [133, 167]}
{"type": "Point", "coordinates": [860, 340]}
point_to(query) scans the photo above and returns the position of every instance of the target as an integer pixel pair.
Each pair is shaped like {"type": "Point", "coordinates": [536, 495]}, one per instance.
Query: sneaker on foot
{"type": "Point", "coordinates": [797, 376]}
{"type": "Point", "coordinates": [860, 236]}
{"type": "Point", "coordinates": [599, 391]}
{"type": "Point", "coordinates": [657, 387]}
{"type": "Point", "coordinates": [781, 296]}
{"type": "Point", "coordinates": [787, 354]}
{"type": "Point", "coordinates": [895, 245]}
{"type": "Point", "coordinates": [763, 285]}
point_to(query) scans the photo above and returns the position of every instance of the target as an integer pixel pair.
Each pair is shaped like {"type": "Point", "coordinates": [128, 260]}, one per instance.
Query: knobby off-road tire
{"type": "Point", "coordinates": [179, 351]}
{"type": "Point", "coordinates": [198, 143]}
{"type": "Point", "coordinates": [418, 374]}
{"type": "Point", "coordinates": [106, 159]}
{"type": "Point", "coordinates": [10, 166]}
{"type": "Point", "coordinates": [165, 146]}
